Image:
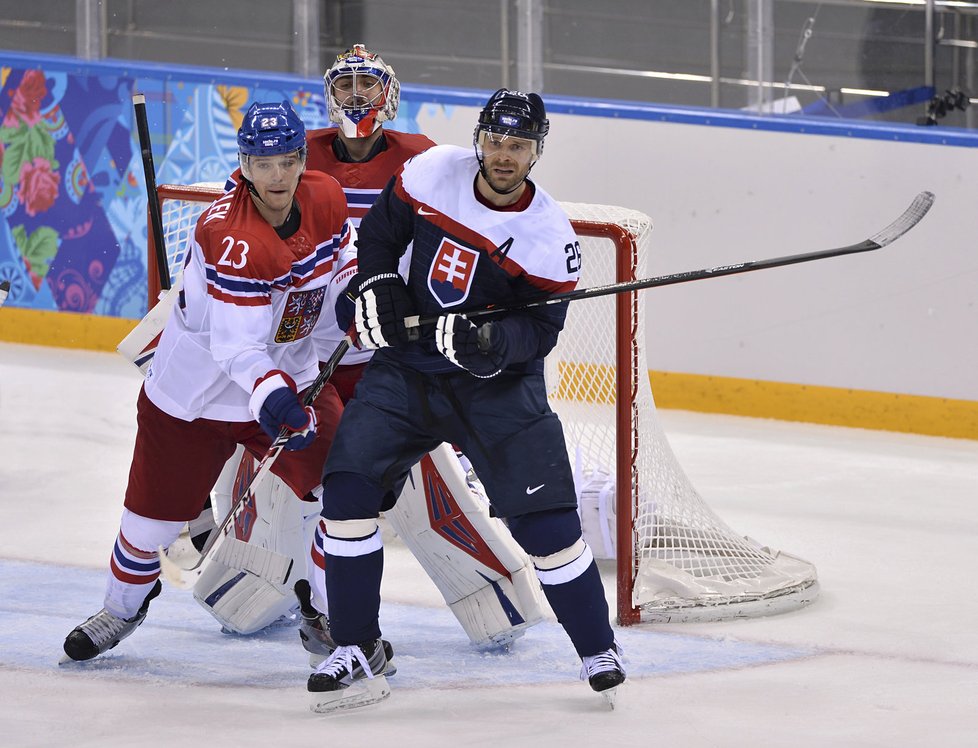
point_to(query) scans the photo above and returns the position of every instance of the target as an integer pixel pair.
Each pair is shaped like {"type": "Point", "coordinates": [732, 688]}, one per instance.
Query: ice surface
{"type": "Point", "coordinates": [888, 655]}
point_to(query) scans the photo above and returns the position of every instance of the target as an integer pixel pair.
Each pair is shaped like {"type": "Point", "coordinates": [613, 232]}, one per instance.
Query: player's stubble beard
{"type": "Point", "coordinates": [505, 184]}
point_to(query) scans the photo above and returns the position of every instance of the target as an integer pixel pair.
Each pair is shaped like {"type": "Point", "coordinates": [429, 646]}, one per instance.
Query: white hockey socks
{"type": "Point", "coordinates": [135, 565]}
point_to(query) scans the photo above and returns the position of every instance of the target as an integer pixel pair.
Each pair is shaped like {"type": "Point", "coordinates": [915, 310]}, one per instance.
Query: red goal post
{"type": "Point", "coordinates": [675, 559]}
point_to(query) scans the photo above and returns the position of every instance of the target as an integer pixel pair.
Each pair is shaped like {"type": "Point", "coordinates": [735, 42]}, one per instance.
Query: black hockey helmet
{"type": "Point", "coordinates": [514, 113]}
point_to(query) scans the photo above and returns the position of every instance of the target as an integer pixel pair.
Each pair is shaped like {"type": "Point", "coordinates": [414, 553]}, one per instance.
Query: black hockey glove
{"type": "Point", "coordinates": [479, 350]}
{"type": "Point", "coordinates": [382, 303]}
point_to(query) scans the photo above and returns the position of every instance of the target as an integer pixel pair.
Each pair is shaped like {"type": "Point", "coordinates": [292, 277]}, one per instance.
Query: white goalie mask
{"type": "Point", "coordinates": [361, 92]}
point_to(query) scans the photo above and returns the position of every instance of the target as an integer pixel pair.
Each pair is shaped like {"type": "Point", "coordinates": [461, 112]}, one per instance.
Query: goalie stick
{"type": "Point", "coordinates": [176, 573]}
{"type": "Point", "coordinates": [4, 290]}
{"type": "Point", "coordinates": [910, 218]}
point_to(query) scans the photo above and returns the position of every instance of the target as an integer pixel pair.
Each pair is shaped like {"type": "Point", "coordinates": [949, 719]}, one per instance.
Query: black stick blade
{"type": "Point", "coordinates": [910, 218]}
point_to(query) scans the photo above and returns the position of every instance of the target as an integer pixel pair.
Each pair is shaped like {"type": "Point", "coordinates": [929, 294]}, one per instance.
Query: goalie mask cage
{"type": "Point", "coordinates": [676, 559]}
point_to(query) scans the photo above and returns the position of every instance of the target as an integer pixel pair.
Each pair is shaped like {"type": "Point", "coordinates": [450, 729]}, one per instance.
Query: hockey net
{"type": "Point", "coordinates": [676, 559]}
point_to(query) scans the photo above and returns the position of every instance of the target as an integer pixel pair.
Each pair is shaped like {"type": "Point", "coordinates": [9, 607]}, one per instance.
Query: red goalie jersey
{"type": "Point", "coordinates": [363, 181]}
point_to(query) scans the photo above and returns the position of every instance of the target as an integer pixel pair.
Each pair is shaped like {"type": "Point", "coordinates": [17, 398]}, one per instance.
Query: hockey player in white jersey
{"type": "Point", "coordinates": [478, 233]}
{"type": "Point", "coordinates": [234, 356]}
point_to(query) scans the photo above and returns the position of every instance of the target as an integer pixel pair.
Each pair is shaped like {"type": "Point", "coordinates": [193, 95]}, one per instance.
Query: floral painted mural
{"type": "Point", "coordinates": [72, 192]}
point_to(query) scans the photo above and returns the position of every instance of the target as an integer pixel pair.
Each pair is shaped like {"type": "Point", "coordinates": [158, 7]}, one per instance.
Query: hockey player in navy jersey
{"type": "Point", "coordinates": [234, 356]}
{"type": "Point", "coordinates": [477, 232]}
{"type": "Point", "coordinates": [490, 586]}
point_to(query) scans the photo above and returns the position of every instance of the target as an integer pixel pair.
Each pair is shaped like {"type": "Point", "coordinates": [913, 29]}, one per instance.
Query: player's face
{"type": "Point", "coordinates": [275, 179]}
{"type": "Point", "coordinates": [358, 91]}
{"type": "Point", "coordinates": [506, 159]}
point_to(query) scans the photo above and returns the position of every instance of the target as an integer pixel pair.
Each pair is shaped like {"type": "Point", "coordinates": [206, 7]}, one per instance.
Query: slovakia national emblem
{"type": "Point", "coordinates": [451, 273]}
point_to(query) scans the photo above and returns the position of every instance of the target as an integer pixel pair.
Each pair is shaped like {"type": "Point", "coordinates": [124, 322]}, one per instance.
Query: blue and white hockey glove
{"type": "Point", "coordinates": [479, 350]}
{"type": "Point", "coordinates": [382, 304]}
{"type": "Point", "coordinates": [276, 405]}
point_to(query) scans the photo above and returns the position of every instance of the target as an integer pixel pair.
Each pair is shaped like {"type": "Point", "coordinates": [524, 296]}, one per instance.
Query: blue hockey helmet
{"type": "Point", "coordinates": [271, 130]}
{"type": "Point", "coordinates": [515, 114]}
{"type": "Point", "coordinates": [357, 113]}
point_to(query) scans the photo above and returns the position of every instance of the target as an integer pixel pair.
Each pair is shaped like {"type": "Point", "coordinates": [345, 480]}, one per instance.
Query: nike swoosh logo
{"type": "Point", "coordinates": [530, 491]}
{"type": "Point", "coordinates": [423, 212]}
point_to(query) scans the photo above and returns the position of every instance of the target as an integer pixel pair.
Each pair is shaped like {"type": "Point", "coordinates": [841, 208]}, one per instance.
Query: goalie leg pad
{"type": "Point", "coordinates": [500, 612]}
{"type": "Point", "coordinates": [242, 602]}
{"type": "Point", "coordinates": [484, 576]}
{"type": "Point", "coordinates": [245, 600]}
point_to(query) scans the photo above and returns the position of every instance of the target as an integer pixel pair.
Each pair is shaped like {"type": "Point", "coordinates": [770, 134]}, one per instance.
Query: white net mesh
{"type": "Point", "coordinates": [688, 564]}
{"type": "Point", "coordinates": [180, 207]}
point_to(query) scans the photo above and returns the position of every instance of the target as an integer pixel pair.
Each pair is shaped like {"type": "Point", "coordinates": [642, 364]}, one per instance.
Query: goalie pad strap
{"type": "Point", "coordinates": [269, 565]}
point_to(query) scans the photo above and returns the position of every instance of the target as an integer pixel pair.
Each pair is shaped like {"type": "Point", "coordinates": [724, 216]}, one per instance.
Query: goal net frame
{"type": "Point", "coordinates": [675, 559]}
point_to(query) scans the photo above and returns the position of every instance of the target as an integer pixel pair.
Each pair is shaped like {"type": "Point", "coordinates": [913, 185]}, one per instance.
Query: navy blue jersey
{"type": "Point", "coordinates": [465, 255]}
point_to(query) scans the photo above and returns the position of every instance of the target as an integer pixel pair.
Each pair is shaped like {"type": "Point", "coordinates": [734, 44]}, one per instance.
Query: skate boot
{"type": "Point", "coordinates": [313, 626]}
{"type": "Point", "coordinates": [605, 672]}
{"type": "Point", "coordinates": [103, 631]}
{"type": "Point", "coordinates": [314, 630]}
{"type": "Point", "coordinates": [352, 676]}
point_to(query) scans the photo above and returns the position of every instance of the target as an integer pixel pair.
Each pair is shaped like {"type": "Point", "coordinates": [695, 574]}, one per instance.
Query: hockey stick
{"type": "Point", "coordinates": [177, 574]}
{"type": "Point", "coordinates": [4, 290]}
{"type": "Point", "coordinates": [910, 218]}
{"type": "Point", "coordinates": [152, 197]}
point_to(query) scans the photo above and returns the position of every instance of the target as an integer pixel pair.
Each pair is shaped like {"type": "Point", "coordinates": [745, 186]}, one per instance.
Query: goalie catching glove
{"type": "Point", "coordinates": [275, 405]}
{"type": "Point", "coordinates": [479, 350]}
{"type": "Point", "coordinates": [382, 303]}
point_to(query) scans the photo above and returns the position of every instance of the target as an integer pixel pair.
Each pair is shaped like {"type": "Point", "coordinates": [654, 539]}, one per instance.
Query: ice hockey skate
{"type": "Point", "coordinates": [313, 626]}
{"type": "Point", "coordinates": [605, 672]}
{"type": "Point", "coordinates": [103, 631]}
{"type": "Point", "coordinates": [351, 677]}
{"type": "Point", "coordinates": [314, 631]}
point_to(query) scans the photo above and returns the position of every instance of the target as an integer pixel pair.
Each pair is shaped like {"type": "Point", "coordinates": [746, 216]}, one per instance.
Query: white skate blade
{"type": "Point", "coordinates": [610, 696]}
{"type": "Point", "coordinates": [359, 694]}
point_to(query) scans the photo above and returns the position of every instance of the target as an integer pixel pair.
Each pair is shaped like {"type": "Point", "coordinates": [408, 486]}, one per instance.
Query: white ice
{"type": "Point", "coordinates": [887, 656]}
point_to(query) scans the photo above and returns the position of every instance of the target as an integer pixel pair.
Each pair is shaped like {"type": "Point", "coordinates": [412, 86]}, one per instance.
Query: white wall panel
{"type": "Point", "coordinates": [903, 319]}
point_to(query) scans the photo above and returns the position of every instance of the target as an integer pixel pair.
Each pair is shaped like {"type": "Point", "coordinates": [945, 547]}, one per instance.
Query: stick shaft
{"type": "Point", "coordinates": [265, 465]}
{"type": "Point", "coordinates": [910, 218]}
{"type": "Point", "coordinates": [152, 197]}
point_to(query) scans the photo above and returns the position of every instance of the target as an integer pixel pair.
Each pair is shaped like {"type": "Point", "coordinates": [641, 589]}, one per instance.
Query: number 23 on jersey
{"type": "Point", "coordinates": [235, 253]}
